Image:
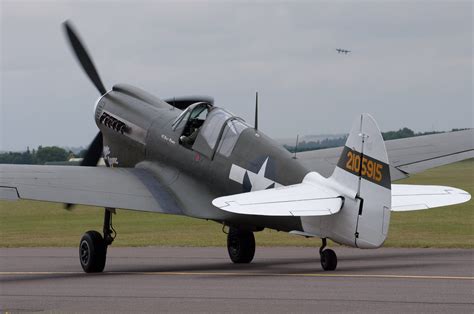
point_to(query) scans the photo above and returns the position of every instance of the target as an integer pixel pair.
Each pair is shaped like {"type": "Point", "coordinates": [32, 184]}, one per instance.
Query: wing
{"type": "Point", "coordinates": [407, 156]}
{"type": "Point", "coordinates": [127, 188]}
{"type": "Point", "coordinates": [302, 199]}
{"type": "Point", "coordinates": [416, 197]}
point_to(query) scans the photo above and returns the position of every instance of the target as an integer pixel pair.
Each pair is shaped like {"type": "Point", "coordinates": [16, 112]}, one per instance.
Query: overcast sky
{"type": "Point", "coordinates": [411, 63]}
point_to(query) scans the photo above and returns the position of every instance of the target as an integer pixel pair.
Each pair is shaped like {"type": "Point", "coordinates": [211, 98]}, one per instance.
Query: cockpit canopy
{"type": "Point", "coordinates": [217, 129]}
{"type": "Point", "coordinates": [197, 111]}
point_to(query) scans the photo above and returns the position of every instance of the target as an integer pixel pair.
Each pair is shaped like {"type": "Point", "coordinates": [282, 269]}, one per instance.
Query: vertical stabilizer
{"type": "Point", "coordinates": [363, 175]}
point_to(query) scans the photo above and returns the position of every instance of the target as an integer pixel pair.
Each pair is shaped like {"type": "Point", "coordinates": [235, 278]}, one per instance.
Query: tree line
{"type": "Point", "coordinates": [38, 156]}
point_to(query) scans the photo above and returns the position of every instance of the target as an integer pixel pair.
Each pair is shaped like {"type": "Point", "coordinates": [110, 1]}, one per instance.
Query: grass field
{"type": "Point", "coordinates": [42, 224]}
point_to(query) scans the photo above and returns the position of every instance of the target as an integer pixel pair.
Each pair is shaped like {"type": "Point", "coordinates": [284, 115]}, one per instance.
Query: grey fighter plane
{"type": "Point", "coordinates": [187, 156]}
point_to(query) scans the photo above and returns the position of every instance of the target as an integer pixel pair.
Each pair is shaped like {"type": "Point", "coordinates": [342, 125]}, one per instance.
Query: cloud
{"type": "Point", "coordinates": [411, 63]}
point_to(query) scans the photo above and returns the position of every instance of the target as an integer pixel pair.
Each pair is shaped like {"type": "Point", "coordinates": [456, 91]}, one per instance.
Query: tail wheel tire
{"type": "Point", "coordinates": [92, 252]}
{"type": "Point", "coordinates": [328, 259]}
{"type": "Point", "coordinates": [241, 246]}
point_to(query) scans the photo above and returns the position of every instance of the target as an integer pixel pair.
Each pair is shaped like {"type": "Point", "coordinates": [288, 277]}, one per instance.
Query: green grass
{"type": "Point", "coordinates": [41, 224]}
{"type": "Point", "coordinates": [451, 226]}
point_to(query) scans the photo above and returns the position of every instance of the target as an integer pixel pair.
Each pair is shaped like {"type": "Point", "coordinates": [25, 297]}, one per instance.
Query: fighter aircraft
{"type": "Point", "coordinates": [339, 50]}
{"type": "Point", "coordinates": [187, 156]}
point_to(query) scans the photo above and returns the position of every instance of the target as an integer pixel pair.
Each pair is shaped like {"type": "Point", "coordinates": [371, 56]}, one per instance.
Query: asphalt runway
{"type": "Point", "coordinates": [204, 280]}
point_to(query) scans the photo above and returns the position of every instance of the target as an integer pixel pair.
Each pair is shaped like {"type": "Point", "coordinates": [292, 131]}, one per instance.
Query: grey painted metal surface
{"type": "Point", "coordinates": [99, 186]}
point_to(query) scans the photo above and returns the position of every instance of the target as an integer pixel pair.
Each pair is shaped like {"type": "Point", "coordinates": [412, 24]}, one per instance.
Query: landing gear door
{"type": "Point", "coordinates": [210, 132]}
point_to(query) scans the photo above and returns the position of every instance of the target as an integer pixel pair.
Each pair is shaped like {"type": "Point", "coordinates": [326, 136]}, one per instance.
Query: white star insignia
{"type": "Point", "coordinates": [258, 180]}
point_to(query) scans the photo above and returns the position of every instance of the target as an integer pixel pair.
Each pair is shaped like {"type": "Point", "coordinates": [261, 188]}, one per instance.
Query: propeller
{"type": "Point", "coordinates": [83, 57]}
{"type": "Point", "coordinates": [95, 149]}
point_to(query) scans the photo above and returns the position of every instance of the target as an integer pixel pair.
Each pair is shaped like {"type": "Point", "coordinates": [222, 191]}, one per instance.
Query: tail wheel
{"type": "Point", "coordinates": [328, 259]}
{"type": "Point", "coordinates": [241, 246]}
{"type": "Point", "coordinates": [92, 252]}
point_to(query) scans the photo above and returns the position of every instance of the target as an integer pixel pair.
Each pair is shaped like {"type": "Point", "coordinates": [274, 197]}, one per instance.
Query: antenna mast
{"type": "Point", "coordinates": [256, 111]}
{"type": "Point", "coordinates": [296, 145]}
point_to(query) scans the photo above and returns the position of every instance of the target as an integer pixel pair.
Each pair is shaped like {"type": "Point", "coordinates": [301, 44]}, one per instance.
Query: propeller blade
{"type": "Point", "coordinates": [93, 154]}
{"type": "Point", "coordinates": [83, 57]}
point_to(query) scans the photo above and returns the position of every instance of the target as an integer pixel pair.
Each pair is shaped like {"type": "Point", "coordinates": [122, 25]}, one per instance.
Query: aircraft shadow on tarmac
{"type": "Point", "coordinates": [284, 265]}
{"type": "Point", "coordinates": [271, 267]}
{"type": "Point", "coordinates": [264, 267]}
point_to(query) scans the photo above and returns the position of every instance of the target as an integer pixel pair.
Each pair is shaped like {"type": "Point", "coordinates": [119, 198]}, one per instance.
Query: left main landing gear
{"type": "Point", "coordinates": [92, 252]}
{"type": "Point", "coordinates": [328, 257]}
{"type": "Point", "coordinates": [240, 245]}
{"type": "Point", "coordinates": [93, 247]}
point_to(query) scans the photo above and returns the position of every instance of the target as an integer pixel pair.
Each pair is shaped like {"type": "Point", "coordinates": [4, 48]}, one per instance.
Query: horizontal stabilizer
{"type": "Point", "coordinates": [304, 199]}
{"type": "Point", "coordinates": [417, 197]}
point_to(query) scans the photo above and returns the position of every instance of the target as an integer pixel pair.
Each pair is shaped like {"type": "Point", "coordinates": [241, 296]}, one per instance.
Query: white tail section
{"type": "Point", "coordinates": [363, 176]}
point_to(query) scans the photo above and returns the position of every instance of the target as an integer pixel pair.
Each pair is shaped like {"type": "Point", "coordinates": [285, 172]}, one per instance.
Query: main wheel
{"type": "Point", "coordinates": [240, 245]}
{"type": "Point", "coordinates": [92, 252]}
{"type": "Point", "coordinates": [328, 259]}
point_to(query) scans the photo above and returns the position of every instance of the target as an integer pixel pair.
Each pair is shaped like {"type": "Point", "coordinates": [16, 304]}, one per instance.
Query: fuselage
{"type": "Point", "coordinates": [228, 156]}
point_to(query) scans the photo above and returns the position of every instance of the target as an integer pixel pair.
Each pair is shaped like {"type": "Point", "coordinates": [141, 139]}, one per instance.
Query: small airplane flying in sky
{"type": "Point", "coordinates": [187, 156]}
{"type": "Point", "coordinates": [339, 50]}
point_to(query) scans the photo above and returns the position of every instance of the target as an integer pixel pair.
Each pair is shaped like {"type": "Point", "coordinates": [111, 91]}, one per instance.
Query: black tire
{"type": "Point", "coordinates": [328, 259]}
{"type": "Point", "coordinates": [241, 246]}
{"type": "Point", "coordinates": [92, 252]}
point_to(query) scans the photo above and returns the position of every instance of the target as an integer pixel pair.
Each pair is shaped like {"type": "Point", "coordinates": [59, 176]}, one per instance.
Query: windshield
{"type": "Point", "coordinates": [197, 111]}
{"type": "Point", "coordinates": [183, 116]}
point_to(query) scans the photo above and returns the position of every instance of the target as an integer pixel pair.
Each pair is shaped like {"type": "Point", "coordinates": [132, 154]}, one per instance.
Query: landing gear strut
{"type": "Point", "coordinates": [240, 245]}
{"type": "Point", "coordinates": [93, 247]}
{"type": "Point", "coordinates": [328, 257]}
